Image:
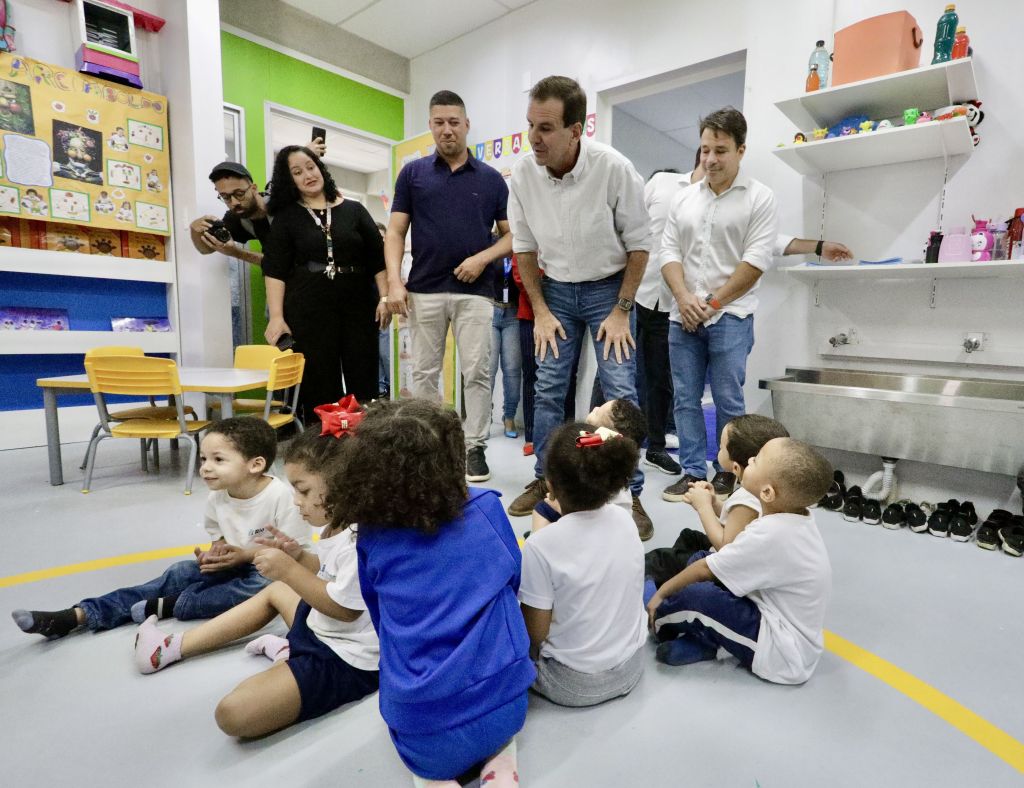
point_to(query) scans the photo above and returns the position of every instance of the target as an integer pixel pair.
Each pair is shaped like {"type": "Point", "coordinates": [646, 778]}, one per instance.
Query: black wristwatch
{"type": "Point", "coordinates": [818, 247]}
{"type": "Point", "coordinates": [625, 304]}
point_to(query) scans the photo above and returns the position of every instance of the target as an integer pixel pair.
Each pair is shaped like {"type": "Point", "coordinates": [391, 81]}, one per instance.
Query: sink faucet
{"type": "Point", "coordinates": [971, 344]}
{"type": "Point", "coordinates": [840, 339]}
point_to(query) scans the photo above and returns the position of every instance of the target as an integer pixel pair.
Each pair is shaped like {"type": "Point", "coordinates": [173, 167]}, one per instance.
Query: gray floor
{"type": "Point", "coordinates": [76, 712]}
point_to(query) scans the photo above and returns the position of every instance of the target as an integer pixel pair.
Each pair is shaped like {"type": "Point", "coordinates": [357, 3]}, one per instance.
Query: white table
{"type": "Point", "coordinates": [224, 382]}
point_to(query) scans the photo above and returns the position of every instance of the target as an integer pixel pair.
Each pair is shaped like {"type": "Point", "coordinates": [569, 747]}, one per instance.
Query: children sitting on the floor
{"type": "Point", "coordinates": [625, 418]}
{"type": "Point", "coordinates": [583, 576]}
{"type": "Point", "coordinates": [775, 577]}
{"type": "Point", "coordinates": [330, 656]}
{"type": "Point", "coordinates": [439, 571]}
{"type": "Point", "coordinates": [742, 438]}
{"type": "Point", "coordinates": [243, 502]}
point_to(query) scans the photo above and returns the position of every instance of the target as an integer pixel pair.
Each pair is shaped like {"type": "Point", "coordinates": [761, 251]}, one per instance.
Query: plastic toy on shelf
{"type": "Point", "coordinates": [910, 116]}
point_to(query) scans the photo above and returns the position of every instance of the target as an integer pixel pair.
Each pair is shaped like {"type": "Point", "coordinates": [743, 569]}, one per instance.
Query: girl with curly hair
{"type": "Point", "coordinates": [439, 570]}
{"type": "Point", "coordinates": [330, 655]}
{"type": "Point", "coordinates": [323, 265]}
{"type": "Point", "coordinates": [583, 576]}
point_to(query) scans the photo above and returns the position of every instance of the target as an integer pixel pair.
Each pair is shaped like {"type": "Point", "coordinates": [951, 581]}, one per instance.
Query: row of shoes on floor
{"type": "Point", "coordinates": [954, 519]}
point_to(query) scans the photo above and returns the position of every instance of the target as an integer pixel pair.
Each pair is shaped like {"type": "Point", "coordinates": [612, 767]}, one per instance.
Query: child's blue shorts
{"type": "Point", "coordinates": [325, 680]}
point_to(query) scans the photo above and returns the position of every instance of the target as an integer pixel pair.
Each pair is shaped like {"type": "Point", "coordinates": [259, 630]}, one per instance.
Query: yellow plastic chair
{"type": "Point", "coordinates": [151, 411]}
{"type": "Point", "coordinates": [144, 376]}
{"type": "Point", "coordinates": [252, 357]}
{"type": "Point", "coordinates": [285, 373]}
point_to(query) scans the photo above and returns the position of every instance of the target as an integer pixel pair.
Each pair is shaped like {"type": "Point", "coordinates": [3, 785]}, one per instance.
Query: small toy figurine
{"type": "Point", "coordinates": [910, 116]}
{"type": "Point", "coordinates": [848, 131]}
{"type": "Point", "coordinates": [884, 124]}
{"type": "Point", "coordinates": [867, 126]}
{"type": "Point", "coordinates": [851, 122]}
{"type": "Point", "coordinates": [981, 241]}
{"type": "Point", "coordinates": [924, 117]}
{"type": "Point", "coordinates": [820, 134]}
{"type": "Point", "coordinates": [799, 138]}
{"type": "Point", "coordinates": [975, 114]}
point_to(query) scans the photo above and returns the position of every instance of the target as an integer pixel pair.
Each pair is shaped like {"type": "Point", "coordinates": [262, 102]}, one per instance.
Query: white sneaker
{"type": "Point", "coordinates": [671, 441]}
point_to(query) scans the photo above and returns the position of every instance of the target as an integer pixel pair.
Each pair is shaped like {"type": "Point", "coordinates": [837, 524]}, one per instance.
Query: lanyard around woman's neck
{"type": "Point", "coordinates": [325, 226]}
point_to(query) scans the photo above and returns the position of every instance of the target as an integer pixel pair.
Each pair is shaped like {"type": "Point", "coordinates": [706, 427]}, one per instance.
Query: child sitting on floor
{"type": "Point", "coordinates": [619, 415]}
{"type": "Point", "coordinates": [439, 571]}
{"type": "Point", "coordinates": [330, 655]}
{"type": "Point", "coordinates": [775, 577]}
{"type": "Point", "coordinates": [583, 576]}
{"type": "Point", "coordinates": [243, 502]}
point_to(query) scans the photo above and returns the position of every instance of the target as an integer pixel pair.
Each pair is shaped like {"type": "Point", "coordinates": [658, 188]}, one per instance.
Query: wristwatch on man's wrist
{"type": "Point", "coordinates": [711, 301]}
{"type": "Point", "coordinates": [625, 304]}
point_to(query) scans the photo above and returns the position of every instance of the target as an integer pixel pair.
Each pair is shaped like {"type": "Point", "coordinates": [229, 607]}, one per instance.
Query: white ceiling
{"type": "Point", "coordinates": [343, 150]}
{"type": "Point", "coordinates": [408, 27]}
{"type": "Point", "coordinates": [677, 112]}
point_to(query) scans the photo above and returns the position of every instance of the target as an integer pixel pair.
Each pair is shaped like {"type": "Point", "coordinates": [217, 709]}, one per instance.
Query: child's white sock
{"type": "Point", "coordinates": [501, 770]}
{"type": "Point", "coordinates": [273, 647]}
{"type": "Point", "coordinates": [154, 649]}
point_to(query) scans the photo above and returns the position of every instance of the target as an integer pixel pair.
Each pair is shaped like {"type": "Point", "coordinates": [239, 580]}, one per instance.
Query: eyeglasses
{"type": "Point", "coordinates": [237, 196]}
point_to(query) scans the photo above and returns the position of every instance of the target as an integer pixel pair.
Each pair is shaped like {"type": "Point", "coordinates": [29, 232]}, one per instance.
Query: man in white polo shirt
{"type": "Point", "coordinates": [717, 243]}
{"type": "Point", "coordinates": [582, 203]}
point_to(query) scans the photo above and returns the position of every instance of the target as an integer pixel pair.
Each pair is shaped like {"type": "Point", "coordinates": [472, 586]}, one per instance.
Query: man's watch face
{"type": "Point", "coordinates": [625, 305]}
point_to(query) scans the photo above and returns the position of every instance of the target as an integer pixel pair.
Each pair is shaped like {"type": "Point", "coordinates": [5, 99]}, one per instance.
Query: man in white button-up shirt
{"type": "Point", "coordinates": [582, 204]}
{"type": "Point", "coordinates": [717, 243]}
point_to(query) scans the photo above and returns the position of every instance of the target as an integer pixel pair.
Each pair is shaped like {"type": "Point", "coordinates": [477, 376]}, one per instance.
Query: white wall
{"type": "Point", "coordinates": [649, 149]}
{"type": "Point", "coordinates": [878, 212]}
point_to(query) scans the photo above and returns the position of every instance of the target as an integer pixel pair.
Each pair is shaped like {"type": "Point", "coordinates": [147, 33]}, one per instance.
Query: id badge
{"type": "Point", "coordinates": [504, 295]}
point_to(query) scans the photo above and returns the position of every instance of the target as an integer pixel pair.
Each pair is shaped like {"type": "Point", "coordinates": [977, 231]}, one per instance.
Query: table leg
{"type": "Point", "coordinates": [53, 436]}
{"type": "Point", "coordinates": [226, 411]}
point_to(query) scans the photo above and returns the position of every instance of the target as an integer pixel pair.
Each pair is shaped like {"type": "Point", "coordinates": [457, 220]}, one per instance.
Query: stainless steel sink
{"type": "Point", "coordinates": [962, 422]}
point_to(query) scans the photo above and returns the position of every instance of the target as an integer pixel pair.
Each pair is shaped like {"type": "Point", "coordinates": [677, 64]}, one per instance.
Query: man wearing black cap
{"type": "Point", "coordinates": [246, 217]}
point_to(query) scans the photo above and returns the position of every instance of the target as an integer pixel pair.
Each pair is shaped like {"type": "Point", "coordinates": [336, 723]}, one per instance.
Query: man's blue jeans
{"type": "Point", "coordinates": [719, 352]}
{"type": "Point", "coordinates": [580, 307]}
{"type": "Point", "coordinates": [505, 351]}
{"type": "Point", "coordinates": [199, 595]}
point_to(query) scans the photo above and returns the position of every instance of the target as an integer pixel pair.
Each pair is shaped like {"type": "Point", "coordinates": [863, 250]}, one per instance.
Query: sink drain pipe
{"type": "Point", "coordinates": [884, 479]}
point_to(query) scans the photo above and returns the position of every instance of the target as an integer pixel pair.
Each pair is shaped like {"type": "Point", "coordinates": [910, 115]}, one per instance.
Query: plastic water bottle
{"type": "Point", "coordinates": [945, 34]}
{"type": "Point", "coordinates": [961, 44]}
{"type": "Point", "coordinates": [813, 80]}
{"type": "Point", "coordinates": [820, 58]}
{"type": "Point", "coordinates": [999, 240]}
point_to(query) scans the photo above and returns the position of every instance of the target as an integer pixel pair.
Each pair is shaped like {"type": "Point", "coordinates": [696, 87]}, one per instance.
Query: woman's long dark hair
{"type": "Point", "coordinates": [283, 190]}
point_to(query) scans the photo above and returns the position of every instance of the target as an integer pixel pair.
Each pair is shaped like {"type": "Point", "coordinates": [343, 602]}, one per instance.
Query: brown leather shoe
{"type": "Point", "coordinates": [530, 497]}
{"type": "Point", "coordinates": [644, 526]}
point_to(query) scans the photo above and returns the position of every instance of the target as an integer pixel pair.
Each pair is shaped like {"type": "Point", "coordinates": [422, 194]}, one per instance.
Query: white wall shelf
{"type": "Point", "coordinates": [1002, 269]}
{"type": "Point", "coordinates": [77, 342]}
{"type": "Point", "coordinates": [927, 88]}
{"type": "Point", "coordinates": [41, 261]}
{"type": "Point", "coordinates": [935, 139]}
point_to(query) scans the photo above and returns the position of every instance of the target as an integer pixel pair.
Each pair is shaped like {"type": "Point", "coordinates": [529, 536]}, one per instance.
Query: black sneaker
{"type": "Point", "coordinates": [663, 461]}
{"type": "Point", "coordinates": [987, 537]}
{"type": "Point", "coordinates": [871, 512]}
{"type": "Point", "coordinates": [476, 465]}
{"type": "Point", "coordinates": [855, 492]}
{"type": "Point", "coordinates": [894, 517]}
{"type": "Point", "coordinates": [960, 528]}
{"type": "Point", "coordinates": [968, 513]}
{"type": "Point", "coordinates": [534, 493]}
{"type": "Point", "coordinates": [853, 508]}
{"type": "Point", "coordinates": [839, 478]}
{"type": "Point", "coordinates": [833, 499]}
{"type": "Point", "coordinates": [917, 520]}
{"type": "Point", "coordinates": [675, 492]}
{"type": "Point", "coordinates": [1012, 537]}
{"type": "Point", "coordinates": [724, 483]}
{"type": "Point", "coordinates": [938, 523]}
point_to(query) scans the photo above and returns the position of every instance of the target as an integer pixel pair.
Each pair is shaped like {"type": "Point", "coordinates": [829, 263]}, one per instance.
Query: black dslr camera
{"type": "Point", "coordinates": [219, 231]}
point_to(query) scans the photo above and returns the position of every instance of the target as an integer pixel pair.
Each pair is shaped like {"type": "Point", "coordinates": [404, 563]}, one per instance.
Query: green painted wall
{"type": "Point", "coordinates": [254, 74]}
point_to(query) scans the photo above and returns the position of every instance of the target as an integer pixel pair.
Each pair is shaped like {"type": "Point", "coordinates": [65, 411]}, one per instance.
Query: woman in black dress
{"type": "Point", "coordinates": [324, 271]}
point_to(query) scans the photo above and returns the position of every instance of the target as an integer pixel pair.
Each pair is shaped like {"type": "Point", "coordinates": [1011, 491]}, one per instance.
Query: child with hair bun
{"type": "Point", "coordinates": [439, 569]}
{"type": "Point", "coordinates": [583, 575]}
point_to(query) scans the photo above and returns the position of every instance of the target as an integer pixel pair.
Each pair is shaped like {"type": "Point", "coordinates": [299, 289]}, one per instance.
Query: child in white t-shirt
{"type": "Point", "coordinates": [583, 575]}
{"type": "Point", "coordinates": [775, 577]}
{"type": "Point", "coordinates": [330, 656]}
{"type": "Point", "coordinates": [244, 501]}
{"type": "Point", "coordinates": [742, 438]}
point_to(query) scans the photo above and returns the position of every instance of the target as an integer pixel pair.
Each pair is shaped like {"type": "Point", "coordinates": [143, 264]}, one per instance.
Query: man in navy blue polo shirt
{"type": "Point", "coordinates": [453, 203]}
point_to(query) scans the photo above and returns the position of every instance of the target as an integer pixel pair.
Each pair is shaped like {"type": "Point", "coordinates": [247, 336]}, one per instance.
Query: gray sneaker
{"type": "Point", "coordinates": [476, 465]}
{"type": "Point", "coordinates": [675, 492]}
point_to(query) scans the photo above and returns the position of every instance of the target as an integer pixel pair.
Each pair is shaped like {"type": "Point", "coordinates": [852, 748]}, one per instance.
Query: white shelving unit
{"type": "Point", "coordinates": [926, 88]}
{"type": "Point", "coordinates": [999, 269]}
{"type": "Point", "coordinates": [68, 342]}
{"type": "Point", "coordinates": [40, 261]}
{"type": "Point", "coordinates": [932, 140]}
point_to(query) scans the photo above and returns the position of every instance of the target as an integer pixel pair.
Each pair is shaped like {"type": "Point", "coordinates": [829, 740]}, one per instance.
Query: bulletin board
{"type": "Point", "coordinates": [81, 150]}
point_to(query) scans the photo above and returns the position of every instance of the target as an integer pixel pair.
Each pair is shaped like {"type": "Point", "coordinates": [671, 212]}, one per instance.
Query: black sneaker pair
{"type": "Point", "coordinates": [857, 507]}
{"type": "Point", "coordinates": [833, 500]}
{"type": "Point", "coordinates": [987, 537]}
{"type": "Point", "coordinates": [953, 519]}
{"type": "Point", "coordinates": [897, 515]}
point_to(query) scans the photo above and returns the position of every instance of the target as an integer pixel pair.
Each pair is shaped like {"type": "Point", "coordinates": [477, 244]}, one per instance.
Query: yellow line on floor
{"type": "Point", "coordinates": [993, 739]}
